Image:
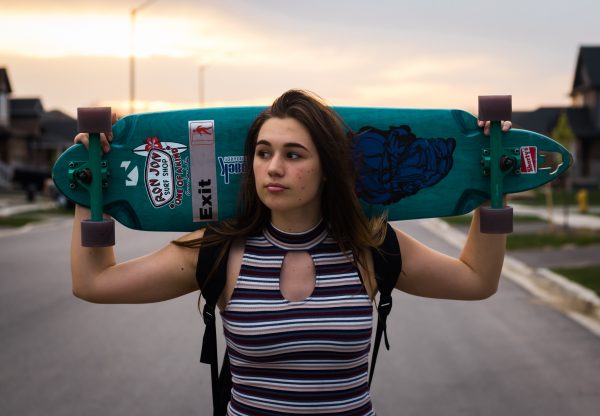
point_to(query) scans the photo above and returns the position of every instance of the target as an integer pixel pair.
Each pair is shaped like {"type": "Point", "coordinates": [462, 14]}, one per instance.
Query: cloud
{"type": "Point", "coordinates": [455, 81]}
{"type": "Point", "coordinates": [75, 53]}
{"type": "Point", "coordinates": [59, 34]}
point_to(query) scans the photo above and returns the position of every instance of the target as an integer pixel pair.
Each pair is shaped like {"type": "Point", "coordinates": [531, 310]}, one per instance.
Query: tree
{"type": "Point", "coordinates": [563, 133]}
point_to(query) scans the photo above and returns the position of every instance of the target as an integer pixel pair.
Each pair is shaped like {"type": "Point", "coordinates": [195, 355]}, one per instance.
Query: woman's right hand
{"type": "Point", "coordinates": [105, 138]}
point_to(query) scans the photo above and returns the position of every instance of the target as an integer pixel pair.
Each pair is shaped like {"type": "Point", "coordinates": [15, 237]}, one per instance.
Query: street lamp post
{"type": "Point", "coordinates": [132, 17]}
{"type": "Point", "coordinates": [201, 84]}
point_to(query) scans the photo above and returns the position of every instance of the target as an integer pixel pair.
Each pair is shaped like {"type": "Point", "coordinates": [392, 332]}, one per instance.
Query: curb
{"type": "Point", "coordinates": [7, 211]}
{"type": "Point", "coordinates": [541, 282]}
{"type": "Point", "coordinates": [11, 232]}
{"type": "Point", "coordinates": [578, 297]}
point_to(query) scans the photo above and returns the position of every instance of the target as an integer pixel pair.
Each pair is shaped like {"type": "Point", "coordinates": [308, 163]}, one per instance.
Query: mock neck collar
{"type": "Point", "coordinates": [296, 241]}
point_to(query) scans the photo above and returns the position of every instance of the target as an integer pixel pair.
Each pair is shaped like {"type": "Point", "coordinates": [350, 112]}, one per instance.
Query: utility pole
{"type": "Point", "coordinates": [132, 16]}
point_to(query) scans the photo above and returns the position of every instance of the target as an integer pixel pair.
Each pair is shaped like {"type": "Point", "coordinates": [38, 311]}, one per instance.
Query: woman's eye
{"type": "Point", "coordinates": [293, 155]}
{"type": "Point", "coordinates": [263, 154]}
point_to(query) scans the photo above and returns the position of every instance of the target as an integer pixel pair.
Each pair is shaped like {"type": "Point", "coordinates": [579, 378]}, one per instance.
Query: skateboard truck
{"type": "Point", "coordinates": [96, 231]}
{"type": "Point", "coordinates": [80, 174]}
{"type": "Point", "coordinates": [497, 219]}
{"type": "Point", "coordinates": [508, 164]}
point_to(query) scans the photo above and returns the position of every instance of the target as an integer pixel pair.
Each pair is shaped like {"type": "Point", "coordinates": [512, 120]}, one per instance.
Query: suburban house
{"type": "Point", "coordinates": [580, 122]}
{"type": "Point", "coordinates": [30, 138]}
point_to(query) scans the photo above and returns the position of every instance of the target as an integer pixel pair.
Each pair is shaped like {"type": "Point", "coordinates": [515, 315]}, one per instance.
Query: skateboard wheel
{"type": "Point", "coordinates": [496, 221]}
{"type": "Point", "coordinates": [98, 233]}
{"type": "Point", "coordinates": [495, 107]}
{"type": "Point", "coordinates": [94, 119]}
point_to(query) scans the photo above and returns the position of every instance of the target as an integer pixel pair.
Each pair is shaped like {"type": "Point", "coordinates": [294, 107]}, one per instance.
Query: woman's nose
{"type": "Point", "coordinates": [275, 166]}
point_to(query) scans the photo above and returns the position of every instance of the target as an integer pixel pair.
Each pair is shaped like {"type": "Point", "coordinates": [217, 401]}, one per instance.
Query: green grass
{"type": "Point", "coordinates": [553, 239]}
{"type": "Point", "coordinates": [585, 276]}
{"type": "Point", "coordinates": [559, 197]}
{"type": "Point", "coordinates": [25, 218]}
{"type": "Point", "coordinates": [466, 219]}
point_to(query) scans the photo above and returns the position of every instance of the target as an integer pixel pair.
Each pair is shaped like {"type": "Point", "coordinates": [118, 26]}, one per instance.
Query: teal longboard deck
{"type": "Point", "coordinates": [179, 170]}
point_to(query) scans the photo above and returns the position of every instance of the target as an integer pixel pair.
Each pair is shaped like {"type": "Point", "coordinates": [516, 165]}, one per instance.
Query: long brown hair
{"type": "Point", "coordinates": [340, 206]}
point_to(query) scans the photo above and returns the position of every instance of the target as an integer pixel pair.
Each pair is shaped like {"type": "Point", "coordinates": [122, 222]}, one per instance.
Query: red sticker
{"type": "Point", "coordinates": [202, 132]}
{"type": "Point", "coordinates": [529, 159]}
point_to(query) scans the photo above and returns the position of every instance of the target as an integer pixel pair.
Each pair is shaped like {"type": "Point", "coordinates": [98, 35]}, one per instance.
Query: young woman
{"type": "Point", "coordinates": [296, 307]}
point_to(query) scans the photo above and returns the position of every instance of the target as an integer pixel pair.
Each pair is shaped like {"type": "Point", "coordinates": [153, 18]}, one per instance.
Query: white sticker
{"type": "Point", "coordinates": [203, 170]}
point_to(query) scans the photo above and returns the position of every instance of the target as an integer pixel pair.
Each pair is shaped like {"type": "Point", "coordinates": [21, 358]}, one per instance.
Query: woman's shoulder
{"type": "Point", "coordinates": [193, 236]}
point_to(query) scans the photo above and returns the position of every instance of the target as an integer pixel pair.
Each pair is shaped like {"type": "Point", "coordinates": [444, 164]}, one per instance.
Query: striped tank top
{"type": "Point", "coordinates": [304, 357]}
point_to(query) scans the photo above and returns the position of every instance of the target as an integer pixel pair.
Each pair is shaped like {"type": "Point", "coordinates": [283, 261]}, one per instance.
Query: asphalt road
{"type": "Point", "coordinates": [510, 354]}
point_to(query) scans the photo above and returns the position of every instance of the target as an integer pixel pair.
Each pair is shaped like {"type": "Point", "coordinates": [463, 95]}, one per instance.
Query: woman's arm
{"type": "Point", "coordinates": [474, 275]}
{"type": "Point", "coordinates": [165, 274]}
{"type": "Point", "coordinates": [97, 277]}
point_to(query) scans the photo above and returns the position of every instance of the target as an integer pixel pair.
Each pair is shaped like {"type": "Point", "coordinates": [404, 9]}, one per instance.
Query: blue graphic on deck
{"type": "Point", "coordinates": [231, 165]}
{"type": "Point", "coordinates": [393, 164]}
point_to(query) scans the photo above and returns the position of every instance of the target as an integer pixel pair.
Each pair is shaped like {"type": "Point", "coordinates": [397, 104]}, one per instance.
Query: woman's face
{"type": "Point", "coordinates": [287, 170]}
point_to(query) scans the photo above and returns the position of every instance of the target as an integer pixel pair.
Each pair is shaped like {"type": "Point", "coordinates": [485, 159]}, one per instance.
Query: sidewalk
{"type": "Point", "coordinates": [575, 219]}
{"type": "Point", "coordinates": [12, 203]}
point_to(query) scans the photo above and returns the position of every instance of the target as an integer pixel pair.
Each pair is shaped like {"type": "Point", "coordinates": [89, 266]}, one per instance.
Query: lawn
{"type": "Point", "coordinates": [559, 197]}
{"type": "Point", "coordinates": [585, 276]}
{"type": "Point", "coordinates": [466, 219]}
{"type": "Point", "coordinates": [19, 220]}
{"type": "Point", "coordinates": [553, 239]}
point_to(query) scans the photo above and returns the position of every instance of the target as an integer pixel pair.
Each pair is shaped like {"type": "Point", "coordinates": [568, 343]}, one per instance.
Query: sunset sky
{"type": "Point", "coordinates": [394, 53]}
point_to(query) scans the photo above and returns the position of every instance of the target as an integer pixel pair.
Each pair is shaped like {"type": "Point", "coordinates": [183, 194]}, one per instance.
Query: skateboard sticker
{"type": "Point", "coordinates": [394, 163]}
{"type": "Point", "coordinates": [231, 165]}
{"type": "Point", "coordinates": [205, 205]}
{"type": "Point", "coordinates": [132, 175]}
{"type": "Point", "coordinates": [165, 174]}
{"type": "Point", "coordinates": [529, 159]}
{"type": "Point", "coordinates": [202, 132]}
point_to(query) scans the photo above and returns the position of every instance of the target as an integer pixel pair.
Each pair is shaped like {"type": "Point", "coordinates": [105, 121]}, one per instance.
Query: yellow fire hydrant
{"type": "Point", "coordinates": [582, 200]}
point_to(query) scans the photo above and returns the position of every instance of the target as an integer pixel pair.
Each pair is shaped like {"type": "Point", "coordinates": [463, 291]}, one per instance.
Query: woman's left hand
{"type": "Point", "coordinates": [506, 126]}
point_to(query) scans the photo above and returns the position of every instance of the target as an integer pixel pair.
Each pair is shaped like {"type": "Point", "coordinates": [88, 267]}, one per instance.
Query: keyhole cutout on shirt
{"type": "Point", "coordinates": [298, 278]}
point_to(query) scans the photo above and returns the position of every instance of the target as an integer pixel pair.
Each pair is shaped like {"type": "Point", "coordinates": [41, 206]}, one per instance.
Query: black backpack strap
{"type": "Point", "coordinates": [211, 290]}
{"type": "Point", "coordinates": [387, 262]}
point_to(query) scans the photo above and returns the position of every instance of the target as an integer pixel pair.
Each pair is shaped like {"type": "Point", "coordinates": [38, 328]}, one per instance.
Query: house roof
{"type": "Point", "coordinates": [587, 72]}
{"type": "Point", "coordinates": [57, 129]}
{"type": "Point", "coordinates": [26, 108]}
{"type": "Point", "coordinates": [4, 81]}
{"type": "Point", "coordinates": [543, 120]}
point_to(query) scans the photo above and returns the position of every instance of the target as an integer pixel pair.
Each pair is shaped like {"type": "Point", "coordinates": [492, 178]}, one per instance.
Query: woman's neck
{"type": "Point", "coordinates": [295, 222]}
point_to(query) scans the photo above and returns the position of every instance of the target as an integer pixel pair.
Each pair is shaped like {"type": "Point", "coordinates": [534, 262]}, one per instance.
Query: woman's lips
{"type": "Point", "coordinates": [275, 187]}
